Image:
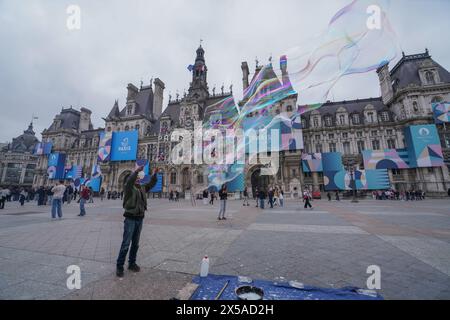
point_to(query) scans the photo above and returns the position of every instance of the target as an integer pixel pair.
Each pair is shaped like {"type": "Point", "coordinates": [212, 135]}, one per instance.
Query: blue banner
{"type": "Point", "coordinates": [124, 146]}
{"type": "Point", "coordinates": [42, 148]}
{"type": "Point", "coordinates": [159, 185]}
{"type": "Point", "coordinates": [424, 146]}
{"type": "Point", "coordinates": [56, 166]}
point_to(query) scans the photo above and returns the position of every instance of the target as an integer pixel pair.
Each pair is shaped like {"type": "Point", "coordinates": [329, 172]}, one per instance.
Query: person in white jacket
{"type": "Point", "coordinates": [58, 194]}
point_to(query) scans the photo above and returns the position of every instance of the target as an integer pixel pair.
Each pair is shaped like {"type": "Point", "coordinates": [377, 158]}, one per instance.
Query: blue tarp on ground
{"type": "Point", "coordinates": [210, 286]}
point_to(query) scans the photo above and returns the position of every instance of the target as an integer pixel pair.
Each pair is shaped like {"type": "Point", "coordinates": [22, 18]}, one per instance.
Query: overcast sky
{"type": "Point", "coordinates": [44, 66]}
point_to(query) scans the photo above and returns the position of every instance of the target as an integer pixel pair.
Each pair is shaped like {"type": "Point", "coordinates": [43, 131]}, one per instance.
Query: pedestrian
{"type": "Point", "coordinates": [177, 195]}
{"type": "Point", "coordinates": [329, 196]}
{"type": "Point", "coordinates": [307, 199]}
{"type": "Point", "coordinates": [135, 205]}
{"type": "Point", "coordinates": [121, 195]}
{"type": "Point", "coordinates": [337, 196]}
{"type": "Point", "coordinates": [262, 198]}
{"type": "Point", "coordinates": [205, 197]}
{"type": "Point", "coordinates": [281, 197]}
{"type": "Point", "coordinates": [213, 195]}
{"type": "Point", "coordinates": [69, 194]}
{"type": "Point", "coordinates": [245, 197]}
{"type": "Point", "coordinates": [223, 196]}
{"type": "Point", "coordinates": [84, 196]}
{"type": "Point", "coordinates": [23, 195]}
{"type": "Point", "coordinates": [256, 197]}
{"type": "Point", "coordinates": [7, 193]}
{"type": "Point", "coordinates": [57, 195]}
{"type": "Point", "coordinates": [91, 195]}
{"type": "Point", "coordinates": [102, 194]}
{"type": "Point", "coordinates": [271, 198]}
{"type": "Point", "coordinates": [2, 198]}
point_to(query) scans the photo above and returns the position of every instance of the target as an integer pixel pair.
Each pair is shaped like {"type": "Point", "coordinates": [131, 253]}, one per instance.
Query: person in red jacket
{"type": "Point", "coordinates": [84, 196]}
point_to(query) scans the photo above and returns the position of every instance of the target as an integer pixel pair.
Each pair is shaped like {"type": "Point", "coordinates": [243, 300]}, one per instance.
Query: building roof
{"type": "Point", "coordinates": [406, 71]}
{"type": "Point", "coordinates": [351, 106]}
{"type": "Point", "coordinates": [23, 143]}
{"type": "Point", "coordinates": [144, 103]}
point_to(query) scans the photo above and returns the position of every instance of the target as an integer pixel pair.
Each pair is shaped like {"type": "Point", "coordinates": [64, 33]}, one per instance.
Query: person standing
{"type": "Point", "coordinates": [84, 197]}
{"type": "Point", "coordinates": [245, 197]}
{"type": "Point", "coordinates": [2, 199]}
{"type": "Point", "coordinates": [135, 205]}
{"type": "Point", "coordinates": [205, 197]}
{"type": "Point", "coordinates": [307, 199]}
{"type": "Point", "coordinates": [213, 195]}
{"type": "Point", "coordinates": [69, 194]}
{"type": "Point", "coordinates": [22, 197]}
{"type": "Point", "coordinates": [337, 196]}
{"type": "Point", "coordinates": [329, 196]}
{"type": "Point", "coordinates": [102, 194]}
{"type": "Point", "coordinates": [256, 196]}
{"type": "Point", "coordinates": [262, 198]}
{"type": "Point", "coordinates": [58, 193]}
{"type": "Point", "coordinates": [223, 196]}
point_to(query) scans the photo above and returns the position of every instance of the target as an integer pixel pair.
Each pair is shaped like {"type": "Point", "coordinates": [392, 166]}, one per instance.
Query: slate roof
{"type": "Point", "coordinates": [406, 71]}
{"type": "Point", "coordinates": [23, 143]}
{"type": "Point", "coordinates": [70, 119]}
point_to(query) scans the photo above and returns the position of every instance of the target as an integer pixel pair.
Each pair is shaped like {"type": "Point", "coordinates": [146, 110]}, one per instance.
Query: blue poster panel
{"type": "Point", "coordinates": [424, 146]}
{"type": "Point", "coordinates": [159, 183]}
{"type": "Point", "coordinates": [364, 180]}
{"type": "Point", "coordinates": [124, 145]}
{"type": "Point", "coordinates": [144, 176]}
{"type": "Point", "coordinates": [56, 166]}
{"type": "Point", "coordinates": [332, 161]}
{"type": "Point", "coordinates": [104, 148]}
{"type": "Point", "coordinates": [43, 148]}
{"type": "Point", "coordinates": [235, 178]}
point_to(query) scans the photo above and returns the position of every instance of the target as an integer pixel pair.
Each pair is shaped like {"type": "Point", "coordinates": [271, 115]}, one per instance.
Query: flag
{"type": "Point", "coordinates": [96, 171]}
{"type": "Point", "coordinates": [190, 67]}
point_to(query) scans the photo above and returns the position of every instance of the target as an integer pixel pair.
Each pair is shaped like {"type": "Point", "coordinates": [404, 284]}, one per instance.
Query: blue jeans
{"type": "Point", "coordinates": [261, 203]}
{"type": "Point", "coordinates": [131, 234]}
{"type": "Point", "coordinates": [82, 209]}
{"type": "Point", "coordinates": [56, 207]}
{"type": "Point", "coordinates": [223, 206]}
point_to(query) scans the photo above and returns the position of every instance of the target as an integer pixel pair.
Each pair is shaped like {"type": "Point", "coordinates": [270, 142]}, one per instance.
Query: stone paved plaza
{"type": "Point", "coordinates": [330, 246]}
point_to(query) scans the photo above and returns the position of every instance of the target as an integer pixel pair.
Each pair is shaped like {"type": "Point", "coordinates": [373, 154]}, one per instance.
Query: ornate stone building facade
{"type": "Point", "coordinates": [72, 133]}
{"type": "Point", "coordinates": [17, 162]}
{"type": "Point", "coordinates": [407, 91]}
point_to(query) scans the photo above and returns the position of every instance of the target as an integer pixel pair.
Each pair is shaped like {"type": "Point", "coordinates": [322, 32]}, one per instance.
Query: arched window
{"type": "Point", "coordinates": [316, 122]}
{"type": "Point", "coordinates": [370, 117]}
{"type": "Point", "coordinates": [429, 76]}
{"type": "Point", "coordinates": [341, 119]}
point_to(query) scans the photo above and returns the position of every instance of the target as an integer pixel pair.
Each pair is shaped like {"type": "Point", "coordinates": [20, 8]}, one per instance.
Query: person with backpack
{"type": "Point", "coordinates": [84, 196]}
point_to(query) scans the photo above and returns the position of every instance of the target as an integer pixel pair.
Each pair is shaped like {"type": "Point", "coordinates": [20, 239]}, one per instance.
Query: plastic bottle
{"type": "Point", "coordinates": [204, 269]}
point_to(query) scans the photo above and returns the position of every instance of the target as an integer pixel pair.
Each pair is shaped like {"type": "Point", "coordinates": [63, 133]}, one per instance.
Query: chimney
{"type": "Point", "coordinates": [245, 74]}
{"type": "Point", "coordinates": [158, 98]}
{"type": "Point", "coordinates": [132, 91]}
{"type": "Point", "coordinates": [85, 120]}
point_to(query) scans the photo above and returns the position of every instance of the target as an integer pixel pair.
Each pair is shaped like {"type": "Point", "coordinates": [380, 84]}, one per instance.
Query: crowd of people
{"type": "Point", "coordinates": [411, 195]}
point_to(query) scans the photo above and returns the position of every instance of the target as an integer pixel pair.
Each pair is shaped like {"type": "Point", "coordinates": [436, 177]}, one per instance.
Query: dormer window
{"type": "Point", "coordinates": [316, 122]}
{"type": "Point", "coordinates": [355, 118]}
{"type": "Point", "coordinates": [370, 117]}
{"type": "Point", "coordinates": [341, 119]}
{"type": "Point", "coordinates": [129, 110]}
{"type": "Point", "coordinates": [385, 116]}
{"type": "Point", "coordinates": [328, 121]}
{"type": "Point", "coordinates": [429, 76]}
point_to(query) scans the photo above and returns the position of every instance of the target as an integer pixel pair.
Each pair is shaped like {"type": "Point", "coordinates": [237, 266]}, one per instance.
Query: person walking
{"type": "Point", "coordinates": [223, 196]}
{"type": "Point", "coordinates": [245, 197]}
{"type": "Point", "coordinates": [271, 198]}
{"type": "Point", "coordinates": [337, 196]}
{"type": "Point", "coordinates": [281, 198]}
{"type": "Point", "coordinates": [69, 194]}
{"type": "Point", "coordinates": [57, 195]}
{"type": "Point", "coordinates": [135, 205]}
{"type": "Point", "coordinates": [307, 199]}
{"type": "Point", "coordinates": [84, 196]}
{"type": "Point", "coordinates": [329, 196]}
{"type": "Point", "coordinates": [2, 199]}
{"type": "Point", "coordinates": [256, 196]}
{"type": "Point", "coordinates": [205, 197]}
{"type": "Point", "coordinates": [102, 194]}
